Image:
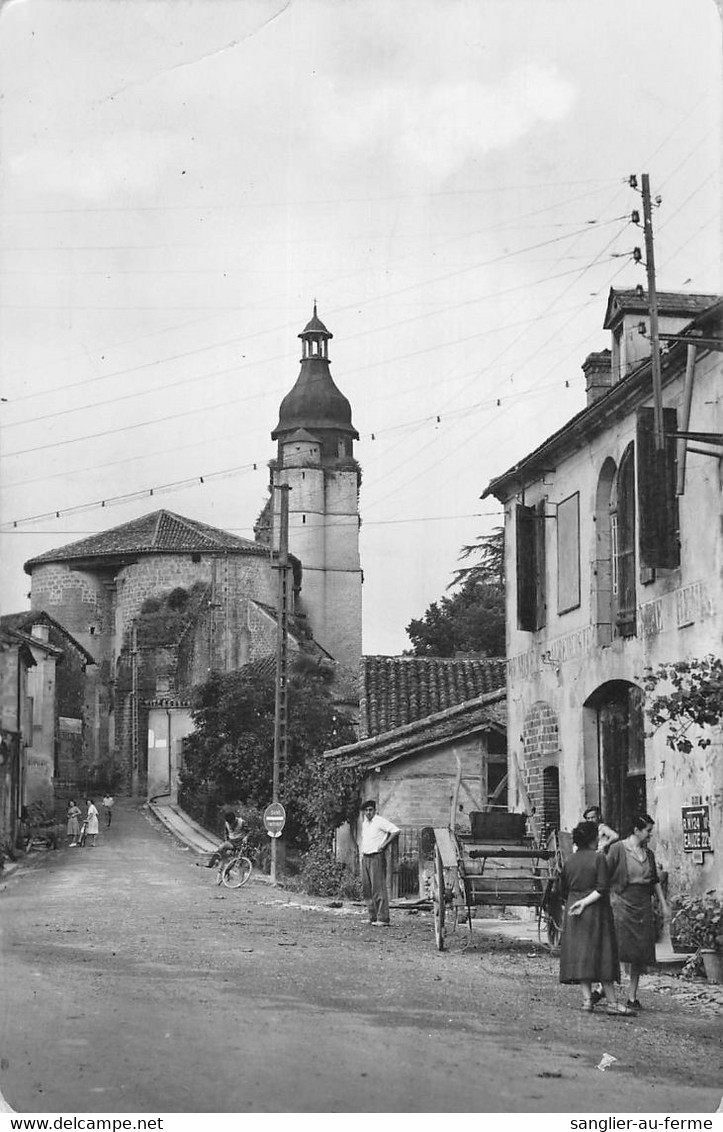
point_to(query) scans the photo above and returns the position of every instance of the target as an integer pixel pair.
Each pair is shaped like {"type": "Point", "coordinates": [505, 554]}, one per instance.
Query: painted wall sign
{"type": "Point", "coordinates": [696, 829]}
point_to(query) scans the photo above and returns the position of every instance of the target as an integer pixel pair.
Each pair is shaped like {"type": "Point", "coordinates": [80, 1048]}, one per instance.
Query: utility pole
{"type": "Point", "coordinates": [282, 661]}
{"type": "Point", "coordinates": [134, 711]}
{"type": "Point", "coordinates": [653, 304]}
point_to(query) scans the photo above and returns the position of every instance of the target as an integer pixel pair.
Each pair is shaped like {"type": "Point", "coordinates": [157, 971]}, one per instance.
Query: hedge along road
{"type": "Point", "coordinates": [131, 983]}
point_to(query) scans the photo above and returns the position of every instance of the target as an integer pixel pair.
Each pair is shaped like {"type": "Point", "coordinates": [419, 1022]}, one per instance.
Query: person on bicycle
{"type": "Point", "coordinates": [234, 832]}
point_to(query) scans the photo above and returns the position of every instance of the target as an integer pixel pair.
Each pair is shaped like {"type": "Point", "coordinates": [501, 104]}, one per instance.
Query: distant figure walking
{"type": "Point", "coordinates": [73, 827]}
{"type": "Point", "coordinates": [376, 834]}
{"type": "Point", "coordinates": [91, 822]}
{"type": "Point", "coordinates": [108, 809]}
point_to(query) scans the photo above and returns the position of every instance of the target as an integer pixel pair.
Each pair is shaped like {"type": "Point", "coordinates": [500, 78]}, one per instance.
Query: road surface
{"type": "Point", "coordinates": [131, 983]}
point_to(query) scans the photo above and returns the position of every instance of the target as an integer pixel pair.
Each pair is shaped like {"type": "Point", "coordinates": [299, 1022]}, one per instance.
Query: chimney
{"type": "Point", "coordinates": [40, 631]}
{"type": "Point", "coordinates": [598, 372]}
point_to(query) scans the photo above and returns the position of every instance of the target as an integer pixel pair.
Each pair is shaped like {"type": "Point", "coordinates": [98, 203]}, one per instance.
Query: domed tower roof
{"type": "Point", "coordinates": [315, 403]}
{"type": "Point", "coordinates": [315, 326]}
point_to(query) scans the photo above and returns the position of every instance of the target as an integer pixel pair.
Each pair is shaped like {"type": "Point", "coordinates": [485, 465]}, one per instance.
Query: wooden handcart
{"type": "Point", "coordinates": [500, 862]}
{"type": "Point", "coordinates": [496, 865]}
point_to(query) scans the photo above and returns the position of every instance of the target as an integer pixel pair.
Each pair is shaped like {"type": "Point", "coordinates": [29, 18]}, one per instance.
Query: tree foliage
{"type": "Point", "coordinates": [473, 618]}
{"type": "Point", "coordinates": [692, 696]}
{"type": "Point", "coordinates": [230, 753]}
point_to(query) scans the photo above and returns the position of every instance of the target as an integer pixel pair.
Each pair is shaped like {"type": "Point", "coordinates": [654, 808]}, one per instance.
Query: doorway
{"type": "Point", "coordinates": [620, 753]}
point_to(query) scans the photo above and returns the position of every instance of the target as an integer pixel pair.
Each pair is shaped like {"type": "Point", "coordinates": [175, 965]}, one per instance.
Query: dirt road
{"type": "Point", "coordinates": [130, 983]}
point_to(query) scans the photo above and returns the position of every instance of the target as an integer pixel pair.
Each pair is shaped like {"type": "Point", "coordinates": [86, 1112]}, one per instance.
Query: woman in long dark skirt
{"type": "Point", "coordinates": [588, 952]}
{"type": "Point", "coordinates": [633, 880]}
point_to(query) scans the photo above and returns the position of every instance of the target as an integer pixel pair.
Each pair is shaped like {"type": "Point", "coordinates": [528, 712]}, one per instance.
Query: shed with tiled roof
{"type": "Point", "coordinates": [397, 690]}
{"type": "Point", "coordinates": [411, 769]}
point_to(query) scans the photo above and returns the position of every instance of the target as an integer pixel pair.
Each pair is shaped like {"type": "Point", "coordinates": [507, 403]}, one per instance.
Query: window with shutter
{"type": "Point", "coordinates": [540, 565]}
{"type": "Point", "coordinates": [657, 501]}
{"type": "Point", "coordinates": [531, 596]}
{"type": "Point", "coordinates": [568, 553]}
{"type": "Point", "coordinates": [525, 540]}
{"type": "Point", "coordinates": [625, 595]}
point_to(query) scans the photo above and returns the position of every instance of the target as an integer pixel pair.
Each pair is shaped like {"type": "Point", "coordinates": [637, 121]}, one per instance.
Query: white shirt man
{"type": "Point", "coordinates": [376, 834]}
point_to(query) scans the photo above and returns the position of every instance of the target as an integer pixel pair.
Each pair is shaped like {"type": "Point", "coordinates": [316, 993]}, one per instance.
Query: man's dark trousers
{"type": "Point", "coordinates": [374, 886]}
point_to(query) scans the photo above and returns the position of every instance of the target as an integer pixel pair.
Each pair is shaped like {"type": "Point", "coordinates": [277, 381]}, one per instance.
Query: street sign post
{"type": "Point", "coordinates": [275, 819]}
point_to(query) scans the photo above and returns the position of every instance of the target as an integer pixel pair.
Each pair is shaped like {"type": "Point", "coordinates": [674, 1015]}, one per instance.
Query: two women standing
{"type": "Point", "coordinates": [609, 913]}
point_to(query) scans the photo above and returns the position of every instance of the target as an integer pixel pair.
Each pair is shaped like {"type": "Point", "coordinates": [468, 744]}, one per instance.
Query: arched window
{"type": "Point", "coordinates": [603, 568]}
{"type": "Point", "coordinates": [622, 530]}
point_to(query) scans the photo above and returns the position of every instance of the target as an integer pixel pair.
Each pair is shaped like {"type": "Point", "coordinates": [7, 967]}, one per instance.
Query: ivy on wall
{"type": "Point", "coordinates": [686, 694]}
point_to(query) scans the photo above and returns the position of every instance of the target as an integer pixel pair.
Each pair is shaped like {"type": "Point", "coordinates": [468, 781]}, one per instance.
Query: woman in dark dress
{"type": "Point", "coordinates": [588, 952]}
{"type": "Point", "coordinates": [633, 880]}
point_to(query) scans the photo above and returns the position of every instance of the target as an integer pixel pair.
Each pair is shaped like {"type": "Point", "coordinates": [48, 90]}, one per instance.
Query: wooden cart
{"type": "Point", "coordinates": [496, 865]}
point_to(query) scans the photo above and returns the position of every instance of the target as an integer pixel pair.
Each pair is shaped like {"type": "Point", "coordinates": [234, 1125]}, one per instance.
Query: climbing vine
{"type": "Point", "coordinates": [691, 696]}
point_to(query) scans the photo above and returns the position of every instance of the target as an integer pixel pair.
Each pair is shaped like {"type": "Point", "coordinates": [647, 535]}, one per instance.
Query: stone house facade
{"type": "Point", "coordinates": [58, 688]}
{"type": "Point", "coordinates": [16, 663]}
{"type": "Point", "coordinates": [614, 565]}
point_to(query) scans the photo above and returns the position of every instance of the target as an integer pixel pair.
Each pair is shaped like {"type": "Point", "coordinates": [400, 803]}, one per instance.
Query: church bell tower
{"type": "Point", "coordinates": [315, 457]}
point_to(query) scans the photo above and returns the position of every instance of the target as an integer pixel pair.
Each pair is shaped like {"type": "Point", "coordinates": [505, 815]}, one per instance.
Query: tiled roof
{"type": "Point", "coordinates": [169, 701]}
{"type": "Point", "coordinates": [484, 713]}
{"type": "Point", "coordinates": [264, 668]}
{"type": "Point", "coordinates": [161, 532]}
{"type": "Point", "coordinates": [396, 690]}
{"type": "Point", "coordinates": [24, 622]}
{"type": "Point", "coordinates": [669, 303]}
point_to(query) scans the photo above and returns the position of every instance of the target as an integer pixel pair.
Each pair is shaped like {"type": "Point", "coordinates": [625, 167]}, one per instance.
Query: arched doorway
{"type": "Point", "coordinates": [620, 740]}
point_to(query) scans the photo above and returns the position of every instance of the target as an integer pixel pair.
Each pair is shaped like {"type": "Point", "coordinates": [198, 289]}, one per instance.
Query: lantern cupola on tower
{"type": "Point", "coordinates": [315, 403]}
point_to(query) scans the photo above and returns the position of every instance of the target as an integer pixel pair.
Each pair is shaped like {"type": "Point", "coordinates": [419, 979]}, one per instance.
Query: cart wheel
{"type": "Point", "coordinates": [554, 933]}
{"type": "Point", "coordinates": [554, 918]}
{"type": "Point", "coordinates": [438, 897]}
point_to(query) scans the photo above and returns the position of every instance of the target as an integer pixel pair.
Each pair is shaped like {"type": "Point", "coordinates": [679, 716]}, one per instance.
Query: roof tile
{"type": "Point", "coordinates": [161, 532]}
{"type": "Point", "coordinates": [397, 690]}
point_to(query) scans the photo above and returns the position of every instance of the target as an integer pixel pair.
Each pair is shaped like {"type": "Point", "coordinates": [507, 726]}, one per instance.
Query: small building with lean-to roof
{"type": "Point", "coordinates": [432, 729]}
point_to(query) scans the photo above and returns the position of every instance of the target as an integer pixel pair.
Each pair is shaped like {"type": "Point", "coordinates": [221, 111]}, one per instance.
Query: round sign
{"type": "Point", "coordinates": [274, 819]}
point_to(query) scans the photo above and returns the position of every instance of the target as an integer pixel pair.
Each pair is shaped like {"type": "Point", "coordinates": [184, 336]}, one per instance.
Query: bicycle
{"type": "Point", "coordinates": [235, 870]}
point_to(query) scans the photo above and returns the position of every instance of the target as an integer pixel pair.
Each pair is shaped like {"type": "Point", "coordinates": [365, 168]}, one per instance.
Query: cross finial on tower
{"type": "Point", "coordinates": [314, 308]}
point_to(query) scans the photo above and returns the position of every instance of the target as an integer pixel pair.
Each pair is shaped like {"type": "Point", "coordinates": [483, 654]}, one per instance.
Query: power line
{"type": "Point", "coordinates": [205, 206]}
{"type": "Point", "coordinates": [280, 357]}
{"type": "Point", "coordinates": [350, 306]}
{"type": "Point", "coordinates": [335, 525]}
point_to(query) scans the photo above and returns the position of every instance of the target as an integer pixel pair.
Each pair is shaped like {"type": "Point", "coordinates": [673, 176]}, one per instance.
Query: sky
{"type": "Point", "coordinates": [448, 179]}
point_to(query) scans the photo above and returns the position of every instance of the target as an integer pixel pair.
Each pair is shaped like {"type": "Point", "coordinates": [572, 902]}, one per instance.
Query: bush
{"type": "Point", "coordinates": [697, 922]}
{"type": "Point", "coordinates": [322, 875]}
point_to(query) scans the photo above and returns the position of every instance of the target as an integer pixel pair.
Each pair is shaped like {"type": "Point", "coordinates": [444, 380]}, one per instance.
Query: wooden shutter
{"type": "Point", "coordinates": [540, 591]}
{"type": "Point", "coordinates": [525, 524]}
{"type": "Point", "coordinates": [657, 501]}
